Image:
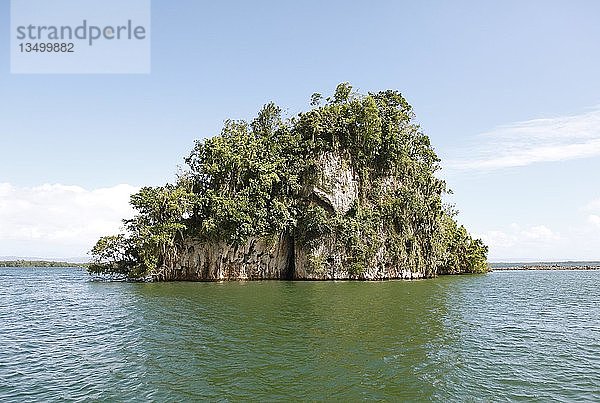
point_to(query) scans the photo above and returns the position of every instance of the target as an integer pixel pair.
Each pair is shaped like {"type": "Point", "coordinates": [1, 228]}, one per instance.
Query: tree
{"type": "Point", "coordinates": [255, 180]}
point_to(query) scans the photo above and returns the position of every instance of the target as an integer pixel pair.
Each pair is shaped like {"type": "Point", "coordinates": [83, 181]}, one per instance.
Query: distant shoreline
{"type": "Point", "coordinates": [546, 267]}
{"type": "Point", "coordinates": [493, 266]}
{"type": "Point", "coordinates": [38, 263]}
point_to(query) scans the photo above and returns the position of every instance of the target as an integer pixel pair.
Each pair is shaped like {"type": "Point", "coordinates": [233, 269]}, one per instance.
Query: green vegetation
{"type": "Point", "coordinates": [39, 263]}
{"type": "Point", "coordinates": [256, 179]}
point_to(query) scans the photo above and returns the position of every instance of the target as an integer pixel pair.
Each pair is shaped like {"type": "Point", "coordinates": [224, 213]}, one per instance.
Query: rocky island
{"type": "Point", "coordinates": [346, 190]}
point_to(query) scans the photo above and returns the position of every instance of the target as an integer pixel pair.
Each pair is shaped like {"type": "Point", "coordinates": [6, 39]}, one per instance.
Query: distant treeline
{"type": "Point", "coordinates": [38, 263]}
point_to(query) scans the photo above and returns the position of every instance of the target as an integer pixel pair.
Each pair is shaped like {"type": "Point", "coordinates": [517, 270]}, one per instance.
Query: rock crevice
{"type": "Point", "coordinates": [284, 257]}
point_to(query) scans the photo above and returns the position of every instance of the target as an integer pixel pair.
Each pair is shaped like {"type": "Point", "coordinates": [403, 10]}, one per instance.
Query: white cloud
{"type": "Point", "coordinates": [538, 140]}
{"type": "Point", "coordinates": [594, 205]}
{"type": "Point", "coordinates": [498, 239]}
{"type": "Point", "coordinates": [574, 239]}
{"type": "Point", "coordinates": [593, 211]}
{"type": "Point", "coordinates": [594, 219]}
{"type": "Point", "coordinates": [515, 241]}
{"type": "Point", "coordinates": [59, 220]}
{"type": "Point", "coordinates": [541, 233]}
{"type": "Point", "coordinates": [516, 235]}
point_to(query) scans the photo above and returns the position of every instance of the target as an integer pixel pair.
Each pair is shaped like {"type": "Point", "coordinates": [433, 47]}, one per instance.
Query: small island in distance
{"type": "Point", "coordinates": [39, 263]}
{"type": "Point", "coordinates": [567, 265]}
{"type": "Point", "coordinates": [345, 191]}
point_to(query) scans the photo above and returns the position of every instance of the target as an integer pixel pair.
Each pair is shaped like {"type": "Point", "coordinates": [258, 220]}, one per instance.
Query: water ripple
{"type": "Point", "coordinates": [500, 337]}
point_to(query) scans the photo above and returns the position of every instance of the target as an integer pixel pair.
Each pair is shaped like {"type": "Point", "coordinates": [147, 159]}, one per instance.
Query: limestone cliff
{"type": "Point", "coordinates": [346, 190]}
{"type": "Point", "coordinates": [335, 189]}
{"type": "Point", "coordinates": [257, 259]}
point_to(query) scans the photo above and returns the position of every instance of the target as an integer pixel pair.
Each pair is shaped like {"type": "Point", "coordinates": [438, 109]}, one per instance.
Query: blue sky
{"type": "Point", "coordinates": [509, 93]}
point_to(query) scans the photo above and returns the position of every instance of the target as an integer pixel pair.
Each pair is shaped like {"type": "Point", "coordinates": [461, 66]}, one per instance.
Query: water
{"type": "Point", "coordinates": [504, 336]}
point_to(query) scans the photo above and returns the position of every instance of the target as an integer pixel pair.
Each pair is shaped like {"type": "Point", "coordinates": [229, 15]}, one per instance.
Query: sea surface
{"type": "Point", "coordinates": [503, 336]}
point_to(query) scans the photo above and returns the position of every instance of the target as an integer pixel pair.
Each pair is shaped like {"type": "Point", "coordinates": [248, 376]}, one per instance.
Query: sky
{"type": "Point", "coordinates": [508, 91]}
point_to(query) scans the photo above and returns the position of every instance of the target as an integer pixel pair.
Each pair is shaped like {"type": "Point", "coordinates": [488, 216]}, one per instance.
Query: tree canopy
{"type": "Point", "coordinates": [254, 180]}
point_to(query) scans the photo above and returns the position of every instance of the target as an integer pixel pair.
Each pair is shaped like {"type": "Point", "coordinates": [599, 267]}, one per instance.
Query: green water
{"type": "Point", "coordinates": [504, 336]}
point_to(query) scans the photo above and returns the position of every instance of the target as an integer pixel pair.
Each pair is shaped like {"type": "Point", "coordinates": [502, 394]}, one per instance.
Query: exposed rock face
{"type": "Point", "coordinates": [282, 257]}
{"type": "Point", "coordinates": [337, 185]}
{"type": "Point", "coordinates": [255, 260]}
{"type": "Point", "coordinates": [327, 262]}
